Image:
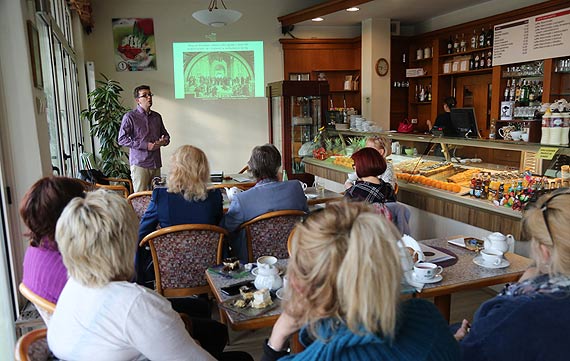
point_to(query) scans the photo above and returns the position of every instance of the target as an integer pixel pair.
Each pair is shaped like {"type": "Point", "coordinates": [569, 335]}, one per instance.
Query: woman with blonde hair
{"type": "Point", "coordinates": [187, 200]}
{"type": "Point", "coordinates": [382, 146]}
{"type": "Point", "coordinates": [345, 291]}
{"type": "Point", "coordinates": [529, 320]}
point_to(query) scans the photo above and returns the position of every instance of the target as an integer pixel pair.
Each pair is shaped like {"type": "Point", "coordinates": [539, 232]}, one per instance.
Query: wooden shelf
{"type": "Point", "coordinates": [517, 120]}
{"type": "Point", "coordinates": [423, 60]}
{"type": "Point", "coordinates": [443, 56]}
{"type": "Point", "coordinates": [420, 77]}
{"type": "Point", "coordinates": [343, 91]}
{"type": "Point", "coordinates": [420, 103]}
{"type": "Point", "coordinates": [337, 71]}
{"type": "Point", "coordinates": [478, 71]}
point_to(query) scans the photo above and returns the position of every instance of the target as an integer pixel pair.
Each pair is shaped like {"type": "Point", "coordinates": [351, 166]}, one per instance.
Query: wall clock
{"type": "Point", "coordinates": [382, 67]}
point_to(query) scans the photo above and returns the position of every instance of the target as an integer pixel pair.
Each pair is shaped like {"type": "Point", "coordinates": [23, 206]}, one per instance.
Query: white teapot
{"type": "Point", "coordinates": [268, 277]}
{"type": "Point", "coordinates": [231, 192]}
{"type": "Point", "coordinates": [499, 242]}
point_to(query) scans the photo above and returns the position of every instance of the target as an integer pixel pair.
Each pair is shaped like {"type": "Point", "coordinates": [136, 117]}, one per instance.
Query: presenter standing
{"type": "Point", "coordinates": [143, 131]}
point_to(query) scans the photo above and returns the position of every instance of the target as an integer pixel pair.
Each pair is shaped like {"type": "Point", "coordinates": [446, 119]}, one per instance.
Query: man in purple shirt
{"type": "Point", "coordinates": [143, 131]}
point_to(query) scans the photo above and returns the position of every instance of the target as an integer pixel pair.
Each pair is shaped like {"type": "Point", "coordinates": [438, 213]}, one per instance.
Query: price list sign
{"type": "Point", "coordinates": [533, 38]}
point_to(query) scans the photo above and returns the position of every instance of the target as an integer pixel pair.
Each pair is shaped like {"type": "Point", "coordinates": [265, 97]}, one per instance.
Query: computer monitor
{"type": "Point", "coordinates": [464, 122]}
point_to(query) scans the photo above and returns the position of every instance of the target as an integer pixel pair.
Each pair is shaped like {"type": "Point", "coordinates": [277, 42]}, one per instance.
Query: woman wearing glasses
{"type": "Point", "coordinates": [530, 320]}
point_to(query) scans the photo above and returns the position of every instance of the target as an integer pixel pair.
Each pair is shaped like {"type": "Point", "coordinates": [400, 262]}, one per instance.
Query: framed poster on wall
{"type": "Point", "coordinates": [35, 55]}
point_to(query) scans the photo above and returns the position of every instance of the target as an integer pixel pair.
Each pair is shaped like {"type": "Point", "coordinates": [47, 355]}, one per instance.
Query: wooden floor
{"type": "Point", "coordinates": [463, 306]}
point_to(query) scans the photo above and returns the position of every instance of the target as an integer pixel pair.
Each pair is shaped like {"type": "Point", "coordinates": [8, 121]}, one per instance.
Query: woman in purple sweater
{"type": "Point", "coordinates": [44, 272]}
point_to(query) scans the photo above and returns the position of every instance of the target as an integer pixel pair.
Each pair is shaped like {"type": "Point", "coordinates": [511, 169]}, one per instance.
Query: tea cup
{"type": "Point", "coordinates": [492, 256]}
{"type": "Point", "coordinates": [516, 134]}
{"type": "Point", "coordinates": [426, 271]}
{"type": "Point", "coordinates": [266, 260]}
{"type": "Point", "coordinates": [303, 185]}
{"type": "Point", "coordinates": [524, 137]}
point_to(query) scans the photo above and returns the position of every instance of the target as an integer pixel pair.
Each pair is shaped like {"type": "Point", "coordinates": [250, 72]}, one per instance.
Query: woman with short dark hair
{"type": "Point", "coordinates": [44, 272]}
{"type": "Point", "coordinates": [368, 164]}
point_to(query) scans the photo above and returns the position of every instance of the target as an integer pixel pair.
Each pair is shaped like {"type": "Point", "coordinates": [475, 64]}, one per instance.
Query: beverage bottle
{"type": "Point", "coordinates": [450, 45]}
{"type": "Point", "coordinates": [472, 186]}
{"type": "Point", "coordinates": [489, 37]}
{"type": "Point", "coordinates": [492, 129]}
{"type": "Point", "coordinates": [462, 43]}
{"type": "Point", "coordinates": [518, 93]}
{"type": "Point", "coordinates": [489, 58]}
{"type": "Point", "coordinates": [284, 178]}
{"type": "Point", "coordinates": [478, 187]}
{"type": "Point", "coordinates": [482, 61]}
{"type": "Point", "coordinates": [474, 40]}
{"type": "Point", "coordinates": [477, 61]}
{"type": "Point", "coordinates": [524, 94]}
{"type": "Point", "coordinates": [507, 90]}
{"type": "Point", "coordinates": [472, 62]}
{"type": "Point", "coordinates": [482, 38]}
{"type": "Point", "coordinates": [428, 96]}
{"type": "Point", "coordinates": [456, 44]}
{"type": "Point", "coordinates": [512, 91]}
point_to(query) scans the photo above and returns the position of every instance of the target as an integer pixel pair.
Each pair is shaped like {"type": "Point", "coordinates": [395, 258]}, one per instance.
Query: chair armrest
{"type": "Point", "coordinates": [121, 180]}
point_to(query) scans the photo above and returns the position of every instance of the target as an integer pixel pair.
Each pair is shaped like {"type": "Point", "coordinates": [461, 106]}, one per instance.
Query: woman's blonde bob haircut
{"type": "Point", "coordinates": [345, 265]}
{"type": "Point", "coordinates": [189, 173]}
{"type": "Point", "coordinates": [553, 208]}
{"type": "Point", "coordinates": [380, 143]}
{"type": "Point", "coordinates": [97, 238]}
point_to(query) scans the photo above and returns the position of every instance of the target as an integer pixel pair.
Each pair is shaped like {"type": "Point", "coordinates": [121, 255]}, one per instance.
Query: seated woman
{"type": "Point", "coordinates": [368, 164]}
{"type": "Point", "coordinates": [344, 290]}
{"type": "Point", "coordinates": [44, 272]}
{"type": "Point", "coordinates": [268, 194]}
{"type": "Point", "coordinates": [530, 320]}
{"type": "Point", "coordinates": [186, 201]}
{"type": "Point", "coordinates": [100, 314]}
{"type": "Point", "coordinates": [382, 145]}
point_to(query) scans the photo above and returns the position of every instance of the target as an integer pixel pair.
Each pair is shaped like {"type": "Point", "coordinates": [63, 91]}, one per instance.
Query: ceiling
{"type": "Point", "coordinates": [408, 12]}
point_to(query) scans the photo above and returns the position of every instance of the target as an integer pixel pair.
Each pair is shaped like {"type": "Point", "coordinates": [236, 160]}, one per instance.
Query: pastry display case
{"type": "Point", "coordinates": [296, 113]}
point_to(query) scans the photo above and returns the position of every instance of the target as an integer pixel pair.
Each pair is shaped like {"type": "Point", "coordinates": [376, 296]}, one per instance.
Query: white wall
{"type": "Point", "coordinates": [226, 130]}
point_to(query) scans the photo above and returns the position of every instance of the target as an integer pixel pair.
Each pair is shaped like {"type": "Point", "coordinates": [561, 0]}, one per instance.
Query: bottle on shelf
{"type": "Point", "coordinates": [523, 101]}
{"type": "Point", "coordinates": [428, 95]}
{"type": "Point", "coordinates": [422, 96]}
{"type": "Point", "coordinates": [284, 177]}
{"type": "Point", "coordinates": [462, 43]}
{"type": "Point", "coordinates": [518, 92]}
{"type": "Point", "coordinates": [489, 58]}
{"type": "Point", "coordinates": [482, 61]}
{"type": "Point", "coordinates": [493, 129]}
{"type": "Point", "coordinates": [512, 91]}
{"type": "Point", "coordinates": [477, 59]}
{"type": "Point", "coordinates": [456, 44]}
{"type": "Point", "coordinates": [481, 43]}
{"type": "Point", "coordinates": [474, 40]}
{"type": "Point", "coordinates": [450, 45]}
{"type": "Point", "coordinates": [472, 62]}
{"type": "Point", "coordinates": [507, 91]}
{"type": "Point", "coordinates": [489, 37]}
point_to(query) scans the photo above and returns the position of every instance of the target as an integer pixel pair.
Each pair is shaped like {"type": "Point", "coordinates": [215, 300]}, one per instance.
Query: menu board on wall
{"type": "Point", "coordinates": [537, 37]}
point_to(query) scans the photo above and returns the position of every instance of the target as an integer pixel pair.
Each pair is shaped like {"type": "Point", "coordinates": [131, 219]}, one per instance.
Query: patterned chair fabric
{"type": "Point", "coordinates": [268, 233]}
{"type": "Point", "coordinates": [181, 255]}
{"type": "Point", "coordinates": [33, 346]}
{"type": "Point", "coordinates": [140, 201]}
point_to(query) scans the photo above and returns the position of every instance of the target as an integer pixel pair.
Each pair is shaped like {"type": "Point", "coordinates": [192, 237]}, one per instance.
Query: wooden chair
{"type": "Point", "coordinates": [181, 254]}
{"type": "Point", "coordinates": [45, 308]}
{"type": "Point", "coordinates": [88, 161]}
{"type": "Point", "coordinates": [33, 346]}
{"type": "Point", "coordinates": [244, 169]}
{"type": "Point", "coordinates": [267, 234]}
{"type": "Point", "coordinates": [140, 201]}
{"type": "Point", "coordinates": [121, 190]}
{"type": "Point", "coordinates": [290, 241]}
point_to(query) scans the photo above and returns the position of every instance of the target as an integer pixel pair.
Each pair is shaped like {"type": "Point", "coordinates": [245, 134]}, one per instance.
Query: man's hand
{"type": "Point", "coordinates": [153, 146]}
{"type": "Point", "coordinates": [462, 331]}
{"type": "Point", "coordinates": [162, 141]}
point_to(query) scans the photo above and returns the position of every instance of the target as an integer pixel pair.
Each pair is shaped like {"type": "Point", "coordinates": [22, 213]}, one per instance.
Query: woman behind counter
{"type": "Point", "coordinates": [345, 277]}
{"type": "Point", "coordinates": [530, 320]}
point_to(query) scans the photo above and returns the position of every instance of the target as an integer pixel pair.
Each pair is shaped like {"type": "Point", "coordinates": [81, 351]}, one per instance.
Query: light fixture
{"type": "Point", "coordinates": [217, 17]}
{"type": "Point", "coordinates": [352, 9]}
{"type": "Point", "coordinates": [318, 19]}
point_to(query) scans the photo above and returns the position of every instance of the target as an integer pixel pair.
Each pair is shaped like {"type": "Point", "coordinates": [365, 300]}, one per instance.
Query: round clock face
{"type": "Point", "coordinates": [382, 67]}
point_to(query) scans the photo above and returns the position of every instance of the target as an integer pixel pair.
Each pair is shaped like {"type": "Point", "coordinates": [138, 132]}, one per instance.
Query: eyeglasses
{"type": "Point", "coordinates": [147, 95]}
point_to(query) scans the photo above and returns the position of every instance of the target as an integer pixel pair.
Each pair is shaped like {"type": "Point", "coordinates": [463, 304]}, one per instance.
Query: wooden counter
{"type": "Point", "coordinates": [476, 212]}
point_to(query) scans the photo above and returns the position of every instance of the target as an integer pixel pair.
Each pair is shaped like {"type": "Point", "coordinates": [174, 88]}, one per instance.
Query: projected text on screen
{"type": "Point", "coordinates": [215, 70]}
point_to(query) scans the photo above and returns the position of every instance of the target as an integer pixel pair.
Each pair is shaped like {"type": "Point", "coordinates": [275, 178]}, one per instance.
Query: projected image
{"type": "Point", "coordinates": [219, 75]}
{"type": "Point", "coordinates": [216, 70]}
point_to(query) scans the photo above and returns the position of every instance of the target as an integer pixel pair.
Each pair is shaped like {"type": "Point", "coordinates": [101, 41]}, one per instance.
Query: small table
{"type": "Point", "coordinates": [240, 321]}
{"type": "Point", "coordinates": [229, 181]}
{"type": "Point", "coordinates": [466, 275]}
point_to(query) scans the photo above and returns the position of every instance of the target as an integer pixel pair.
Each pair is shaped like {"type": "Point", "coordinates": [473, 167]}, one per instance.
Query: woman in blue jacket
{"type": "Point", "coordinates": [530, 320]}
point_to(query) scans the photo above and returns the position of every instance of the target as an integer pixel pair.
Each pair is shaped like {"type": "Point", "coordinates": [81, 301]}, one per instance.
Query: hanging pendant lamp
{"type": "Point", "coordinates": [216, 17]}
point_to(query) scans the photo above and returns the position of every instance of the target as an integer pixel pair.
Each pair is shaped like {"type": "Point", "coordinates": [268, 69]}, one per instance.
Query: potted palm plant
{"type": "Point", "coordinates": [104, 115]}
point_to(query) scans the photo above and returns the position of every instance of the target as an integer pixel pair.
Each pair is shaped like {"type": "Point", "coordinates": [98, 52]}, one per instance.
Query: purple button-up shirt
{"type": "Point", "coordinates": [137, 130]}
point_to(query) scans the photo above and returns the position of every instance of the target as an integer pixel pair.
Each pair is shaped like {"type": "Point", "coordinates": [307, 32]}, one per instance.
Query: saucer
{"type": "Point", "coordinates": [254, 271]}
{"type": "Point", "coordinates": [479, 262]}
{"type": "Point", "coordinates": [280, 294]}
{"type": "Point", "coordinates": [310, 196]}
{"type": "Point", "coordinates": [435, 279]}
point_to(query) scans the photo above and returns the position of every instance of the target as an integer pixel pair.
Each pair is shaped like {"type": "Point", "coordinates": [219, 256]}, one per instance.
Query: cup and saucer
{"type": "Point", "coordinates": [491, 258]}
{"type": "Point", "coordinates": [426, 272]}
{"type": "Point", "coordinates": [281, 292]}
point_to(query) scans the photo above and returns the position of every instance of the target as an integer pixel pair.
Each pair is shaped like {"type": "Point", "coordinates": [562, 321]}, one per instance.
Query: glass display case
{"type": "Point", "coordinates": [296, 112]}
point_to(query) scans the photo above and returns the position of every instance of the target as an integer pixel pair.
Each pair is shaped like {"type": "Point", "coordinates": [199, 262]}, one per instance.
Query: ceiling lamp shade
{"type": "Point", "coordinates": [217, 17]}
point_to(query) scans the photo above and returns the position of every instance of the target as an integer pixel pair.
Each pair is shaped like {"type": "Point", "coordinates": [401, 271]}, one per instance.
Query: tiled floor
{"type": "Point", "coordinates": [463, 305]}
